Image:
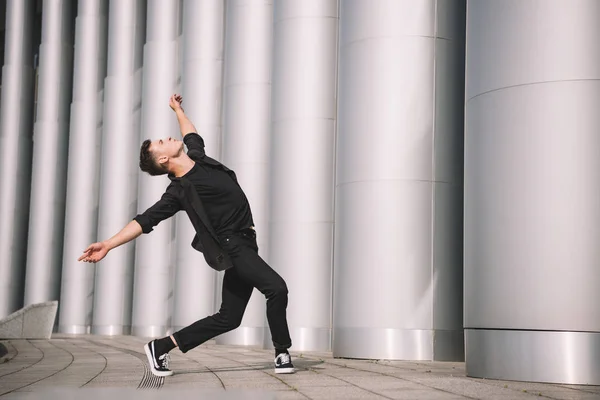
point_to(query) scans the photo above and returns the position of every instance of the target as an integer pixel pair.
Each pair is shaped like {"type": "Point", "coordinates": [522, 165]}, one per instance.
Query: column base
{"type": "Point", "coordinates": [75, 329]}
{"type": "Point", "coordinates": [243, 336]}
{"type": "Point", "coordinates": [534, 356]}
{"type": "Point", "coordinates": [398, 344]}
{"type": "Point", "coordinates": [305, 339]}
{"type": "Point", "coordinates": [111, 330]}
{"type": "Point", "coordinates": [149, 331]}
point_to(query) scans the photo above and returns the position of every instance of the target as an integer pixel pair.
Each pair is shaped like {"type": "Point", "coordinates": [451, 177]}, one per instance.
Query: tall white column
{"type": "Point", "coordinates": [398, 225]}
{"type": "Point", "coordinates": [120, 159]}
{"type": "Point", "coordinates": [83, 178]}
{"type": "Point", "coordinates": [302, 164]}
{"type": "Point", "coordinates": [16, 128]}
{"type": "Point", "coordinates": [202, 82]}
{"type": "Point", "coordinates": [152, 288]}
{"type": "Point", "coordinates": [50, 152]}
{"type": "Point", "coordinates": [246, 135]}
{"type": "Point", "coordinates": [532, 178]}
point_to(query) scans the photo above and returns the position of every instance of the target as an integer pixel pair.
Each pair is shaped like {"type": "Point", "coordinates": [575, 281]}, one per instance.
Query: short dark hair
{"type": "Point", "coordinates": [147, 161]}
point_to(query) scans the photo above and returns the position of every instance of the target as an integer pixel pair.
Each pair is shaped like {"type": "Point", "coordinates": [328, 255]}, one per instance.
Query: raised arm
{"type": "Point", "coordinates": [185, 125]}
{"type": "Point", "coordinates": [97, 251]}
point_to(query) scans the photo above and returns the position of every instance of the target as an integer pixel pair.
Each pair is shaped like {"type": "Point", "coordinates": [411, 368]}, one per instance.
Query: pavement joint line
{"type": "Point", "coordinates": [263, 371]}
{"type": "Point", "coordinates": [100, 354]}
{"type": "Point", "coordinates": [352, 384]}
{"type": "Point", "coordinates": [45, 377]}
{"type": "Point", "coordinates": [148, 381]}
{"type": "Point", "coordinates": [484, 382]}
{"type": "Point", "coordinates": [403, 379]}
{"type": "Point", "coordinates": [28, 366]}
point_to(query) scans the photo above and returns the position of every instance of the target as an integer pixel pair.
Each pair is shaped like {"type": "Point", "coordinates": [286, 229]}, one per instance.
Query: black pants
{"type": "Point", "coordinates": [249, 272]}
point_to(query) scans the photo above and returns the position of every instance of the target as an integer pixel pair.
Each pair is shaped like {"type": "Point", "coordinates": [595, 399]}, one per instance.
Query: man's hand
{"type": "Point", "coordinates": [94, 253]}
{"type": "Point", "coordinates": [175, 102]}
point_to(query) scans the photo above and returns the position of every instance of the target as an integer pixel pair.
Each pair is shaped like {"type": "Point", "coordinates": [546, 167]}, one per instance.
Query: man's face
{"type": "Point", "coordinates": [163, 149]}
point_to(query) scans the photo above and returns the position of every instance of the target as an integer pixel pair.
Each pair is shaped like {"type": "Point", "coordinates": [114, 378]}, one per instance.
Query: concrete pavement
{"type": "Point", "coordinates": [96, 367]}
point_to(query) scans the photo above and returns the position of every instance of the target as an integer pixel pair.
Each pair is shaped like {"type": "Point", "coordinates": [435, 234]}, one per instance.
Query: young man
{"type": "Point", "coordinates": [218, 208]}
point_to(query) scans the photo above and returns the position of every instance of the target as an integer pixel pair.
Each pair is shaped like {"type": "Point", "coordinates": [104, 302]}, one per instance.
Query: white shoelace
{"type": "Point", "coordinates": [164, 360]}
{"type": "Point", "coordinates": [284, 358]}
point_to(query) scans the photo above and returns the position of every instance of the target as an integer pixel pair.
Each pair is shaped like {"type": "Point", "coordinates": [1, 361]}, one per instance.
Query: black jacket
{"type": "Point", "coordinates": [181, 195]}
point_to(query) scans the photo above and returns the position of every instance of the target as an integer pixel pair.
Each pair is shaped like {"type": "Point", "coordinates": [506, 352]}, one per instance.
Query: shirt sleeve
{"type": "Point", "coordinates": [166, 207]}
{"type": "Point", "coordinates": [195, 144]}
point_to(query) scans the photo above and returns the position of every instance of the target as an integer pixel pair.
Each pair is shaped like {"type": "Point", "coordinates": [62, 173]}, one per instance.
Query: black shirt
{"type": "Point", "coordinates": [224, 201]}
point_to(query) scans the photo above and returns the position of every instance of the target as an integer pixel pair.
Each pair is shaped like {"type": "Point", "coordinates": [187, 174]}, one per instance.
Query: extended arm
{"type": "Point", "coordinates": [185, 125]}
{"type": "Point", "coordinates": [165, 208]}
{"type": "Point", "coordinates": [97, 251]}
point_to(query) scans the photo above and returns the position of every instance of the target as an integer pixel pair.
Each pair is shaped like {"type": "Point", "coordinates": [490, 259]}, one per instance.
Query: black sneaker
{"type": "Point", "coordinates": [283, 364]}
{"type": "Point", "coordinates": [159, 363]}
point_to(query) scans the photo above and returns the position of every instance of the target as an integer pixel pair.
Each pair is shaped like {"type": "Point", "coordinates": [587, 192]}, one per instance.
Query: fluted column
{"type": "Point", "coordinates": [203, 29]}
{"type": "Point", "coordinates": [532, 178]}
{"type": "Point", "coordinates": [152, 290]}
{"type": "Point", "coordinates": [50, 150]}
{"type": "Point", "coordinates": [16, 124]}
{"type": "Point", "coordinates": [83, 178]}
{"type": "Point", "coordinates": [120, 158]}
{"type": "Point", "coordinates": [302, 164]}
{"type": "Point", "coordinates": [246, 121]}
{"type": "Point", "coordinates": [398, 224]}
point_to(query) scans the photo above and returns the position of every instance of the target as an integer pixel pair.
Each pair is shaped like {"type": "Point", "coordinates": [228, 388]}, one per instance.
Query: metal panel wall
{"type": "Point", "coordinates": [302, 164]}
{"type": "Point", "coordinates": [246, 135]}
{"type": "Point", "coordinates": [202, 77]}
{"type": "Point", "coordinates": [119, 171]}
{"type": "Point", "coordinates": [532, 172]}
{"type": "Point", "coordinates": [83, 181]}
{"type": "Point", "coordinates": [16, 127]}
{"type": "Point", "coordinates": [398, 183]}
{"type": "Point", "coordinates": [50, 151]}
{"type": "Point", "coordinates": [152, 288]}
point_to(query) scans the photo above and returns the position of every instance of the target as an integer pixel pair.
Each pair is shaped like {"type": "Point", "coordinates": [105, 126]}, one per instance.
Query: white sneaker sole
{"type": "Point", "coordinates": [284, 370]}
{"type": "Point", "coordinates": [151, 362]}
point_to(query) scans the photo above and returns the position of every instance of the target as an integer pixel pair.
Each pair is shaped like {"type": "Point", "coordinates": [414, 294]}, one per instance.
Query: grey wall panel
{"type": "Point", "coordinates": [119, 170]}
{"type": "Point", "coordinates": [153, 262]}
{"type": "Point", "coordinates": [530, 169]}
{"type": "Point", "coordinates": [16, 128]}
{"type": "Point", "coordinates": [397, 191]}
{"type": "Point", "coordinates": [531, 178]}
{"type": "Point", "coordinates": [202, 82]}
{"type": "Point", "coordinates": [50, 151]}
{"type": "Point", "coordinates": [246, 135]}
{"type": "Point", "coordinates": [302, 164]}
{"type": "Point", "coordinates": [83, 181]}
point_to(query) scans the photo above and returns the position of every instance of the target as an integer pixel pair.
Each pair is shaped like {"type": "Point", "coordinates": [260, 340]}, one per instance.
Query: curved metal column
{"type": "Point", "coordinates": [302, 164]}
{"type": "Point", "coordinates": [50, 151]}
{"type": "Point", "coordinates": [119, 170]}
{"type": "Point", "coordinates": [203, 29]}
{"type": "Point", "coordinates": [152, 288]}
{"type": "Point", "coordinates": [83, 180]}
{"type": "Point", "coordinates": [532, 174]}
{"type": "Point", "coordinates": [16, 127]}
{"type": "Point", "coordinates": [397, 258]}
{"type": "Point", "coordinates": [246, 120]}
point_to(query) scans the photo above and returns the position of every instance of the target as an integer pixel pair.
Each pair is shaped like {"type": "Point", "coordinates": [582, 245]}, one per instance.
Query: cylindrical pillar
{"type": "Point", "coordinates": [246, 135]}
{"type": "Point", "coordinates": [16, 127]}
{"type": "Point", "coordinates": [50, 151]}
{"type": "Point", "coordinates": [202, 82]}
{"type": "Point", "coordinates": [119, 169]}
{"type": "Point", "coordinates": [532, 175]}
{"type": "Point", "coordinates": [152, 289]}
{"type": "Point", "coordinates": [83, 179]}
{"type": "Point", "coordinates": [302, 164]}
{"type": "Point", "coordinates": [397, 258]}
